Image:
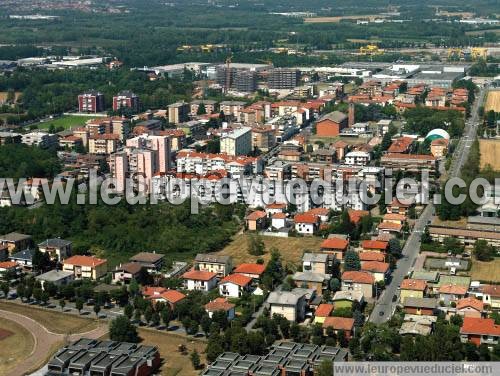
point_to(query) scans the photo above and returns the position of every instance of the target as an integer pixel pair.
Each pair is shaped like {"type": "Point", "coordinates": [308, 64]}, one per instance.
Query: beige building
{"type": "Point", "coordinates": [359, 281]}
{"type": "Point", "coordinates": [263, 138]}
{"type": "Point", "coordinates": [103, 144]}
{"type": "Point", "coordinates": [221, 265]}
{"type": "Point", "coordinates": [290, 304]}
{"type": "Point", "coordinates": [237, 141]}
{"type": "Point", "coordinates": [86, 267]}
{"type": "Point", "coordinates": [178, 112]}
{"type": "Point", "coordinates": [316, 262]}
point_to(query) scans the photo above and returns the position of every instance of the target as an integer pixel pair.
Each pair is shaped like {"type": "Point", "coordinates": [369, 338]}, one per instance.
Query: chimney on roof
{"type": "Point", "coordinates": [351, 117]}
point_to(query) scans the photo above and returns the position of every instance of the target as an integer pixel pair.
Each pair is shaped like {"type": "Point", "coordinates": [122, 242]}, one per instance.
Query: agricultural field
{"type": "Point", "coordinates": [15, 344]}
{"type": "Point", "coordinates": [493, 101]}
{"type": "Point", "coordinates": [66, 122]}
{"type": "Point", "coordinates": [490, 152]}
{"type": "Point", "coordinates": [486, 271]}
{"type": "Point", "coordinates": [340, 18]}
{"type": "Point", "coordinates": [291, 249]}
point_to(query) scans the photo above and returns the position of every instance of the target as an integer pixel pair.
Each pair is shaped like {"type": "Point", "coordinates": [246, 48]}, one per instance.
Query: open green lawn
{"type": "Point", "coordinates": [66, 122]}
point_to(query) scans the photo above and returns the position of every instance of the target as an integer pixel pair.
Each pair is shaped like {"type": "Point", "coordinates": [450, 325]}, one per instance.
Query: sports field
{"type": "Point", "coordinates": [490, 153]}
{"type": "Point", "coordinates": [16, 343]}
{"type": "Point", "coordinates": [66, 122]}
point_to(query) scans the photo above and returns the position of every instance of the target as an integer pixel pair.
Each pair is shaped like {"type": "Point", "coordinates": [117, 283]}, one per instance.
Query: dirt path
{"type": "Point", "coordinates": [45, 341]}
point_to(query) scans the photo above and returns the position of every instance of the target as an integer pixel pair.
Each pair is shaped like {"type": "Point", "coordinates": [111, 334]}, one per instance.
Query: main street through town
{"type": "Point", "coordinates": [386, 304]}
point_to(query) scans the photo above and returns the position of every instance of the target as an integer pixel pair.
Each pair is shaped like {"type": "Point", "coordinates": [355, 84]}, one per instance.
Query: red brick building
{"type": "Point", "coordinates": [91, 102]}
{"type": "Point", "coordinates": [331, 124]}
{"type": "Point", "coordinates": [126, 99]}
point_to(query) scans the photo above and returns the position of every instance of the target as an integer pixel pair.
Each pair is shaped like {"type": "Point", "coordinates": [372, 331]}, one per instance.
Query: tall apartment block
{"type": "Point", "coordinates": [126, 99]}
{"type": "Point", "coordinates": [178, 112]}
{"type": "Point", "coordinates": [245, 81]}
{"type": "Point", "coordinates": [236, 141]}
{"type": "Point", "coordinates": [160, 144]}
{"type": "Point", "coordinates": [91, 102]}
{"type": "Point", "coordinates": [283, 78]}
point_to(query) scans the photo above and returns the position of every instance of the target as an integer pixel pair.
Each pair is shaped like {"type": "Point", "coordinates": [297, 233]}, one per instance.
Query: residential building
{"type": "Point", "coordinates": [236, 142]}
{"type": "Point", "coordinates": [451, 293]}
{"type": "Point", "coordinates": [140, 165]}
{"type": "Point", "coordinates": [359, 281]}
{"type": "Point", "coordinates": [71, 142]}
{"type": "Point", "coordinates": [380, 270]}
{"type": "Point", "coordinates": [409, 162]}
{"type": "Point", "coordinates": [103, 144]}
{"type": "Point", "coordinates": [306, 224]}
{"type": "Point", "coordinates": [245, 81]}
{"type": "Point", "coordinates": [470, 307]}
{"type": "Point", "coordinates": [464, 236]}
{"type": "Point", "coordinates": [88, 267]}
{"type": "Point", "coordinates": [151, 261]}
{"type": "Point", "coordinates": [345, 324]}
{"type": "Point", "coordinates": [290, 304]}
{"type": "Point", "coordinates": [15, 241]}
{"type": "Point", "coordinates": [159, 144]}
{"type": "Point", "coordinates": [316, 263]}
{"type": "Point", "coordinates": [178, 112]}
{"type": "Point", "coordinates": [374, 246]}
{"type": "Point", "coordinates": [177, 138]}
{"type": "Point", "coordinates": [199, 280]}
{"type": "Point", "coordinates": [322, 312]}
{"type": "Point", "coordinates": [10, 138]}
{"type": "Point", "coordinates": [40, 138]}
{"type": "Point", "coordinates": [221, 265]}
{"type": "Point", "coordinates": [335, 246]}
{"type": "Point", "coordinates": [124, 273]}
{"type": "Point", "coordinates": [421, 325]}
{"type": "Point", "coordinates": [491, 295]}
{"type": "Point", "coordinates": [91, 102]}
{"type": "Point", "coordinates": [207, 103]}
{"type": "Point", "coordinates": [232, 108]}
{"type": "Point", "coordinates": [398, 207]}
{"type": "Point", "coordinates": [126, 99]}
{"type": "Point", "coordinates": [58, 249]}
{"type": "Point", "coordinates": [331, 124]}
{"type": "Point", "coordinates": [256, 220]}
{"type": "Point", "coordinates": [419, 306]}
{"type": "Point", "coordinates": [283, 78]}
{"type": "Point", "coordinates": [357, 158]}
{"type": "Point", "coordinates": [371, 256]}
{"type": "Point", "coordinates": [23, 258]}
{"type": "Point", "coordinates": [9, 270]}
{"type": "Point", "coordinates": [439, 147]}
{"type": "Point", "coordinates": [163, 295]}
{"type": "Point", "coordinates": [480, 331]}
{"type": "Point", "coordinates": [235, 285]}
{"type": "Point", "coordinates": [253, 271]}
{"type": "Point", "coordinates": [221, 304]}
{"type": "Point", "coordinates": [412, 288]}
{"type": "Point", "coordinates": [263, 138]}
{"type": "Point", "coordinates": [56, 277]}
{"type": "Point", "coordinates": [311, 280]}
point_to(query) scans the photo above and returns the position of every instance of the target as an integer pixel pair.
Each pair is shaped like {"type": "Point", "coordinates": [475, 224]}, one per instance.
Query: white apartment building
{"type": "Point", "coordinates": [39, 138]}
{"type": "Point", "coordinates": [357, 158]}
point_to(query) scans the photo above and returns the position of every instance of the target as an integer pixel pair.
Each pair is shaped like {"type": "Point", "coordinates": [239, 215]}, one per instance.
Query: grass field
{"type": "Point", "coordinates": [486, 271]}
{"type": "Point", "coordinates": [493, 101]}
{"type": "Point", "coordinates": [490, 152]}
{"type": "Point", "coordinates": [15, 348]}
{"type": "Point", "coordinates": [67, 122]}
{"type": "Point", "coordinates": [54, 321]}
{"type": "Point", "coordinates": [174, 362]}
{"type": "Point", "coordinates": [291, 249]}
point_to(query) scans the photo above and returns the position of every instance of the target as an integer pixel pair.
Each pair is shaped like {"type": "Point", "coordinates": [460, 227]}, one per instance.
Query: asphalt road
{"type": "Point", "coordinates": [386, 304]}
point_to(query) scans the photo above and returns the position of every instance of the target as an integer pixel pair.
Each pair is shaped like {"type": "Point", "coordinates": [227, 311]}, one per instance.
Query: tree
{"type": "Point", "coordinates": [41, 260]}
{"type": "Point", "coordinates": [128, 311]}
{"type": "Point", "coordinates": [351, 261]}
{"type": "Point", "coordinates": [148, 314]}
{"type": "Point", "coordinates": [395, 248]}
{"type": "Point", "coordinates": [195, 359]}
{"type": "Point", "coordinates": [335, 284]}
{"type": "Point", "coordinates": [166, 315]}
{"type": "Point", "coordinates": [97, 309]}
{"type": "Point", "coordinates": [122, 330]}
{"type": "Point", "coordinates": [62, 304]}
{"type": "Point", "coordinates": [325, 368]}
{"type": "Point", "coordinates": [201, 109]}
{"type": "Point", "coordinates": [483, 251]}
{"type": "Point", "coordinates": [79, 304]}
{"type": "Point", "coordinates": [137, 315]}
{"type": "Point", "coordinates": [155, 319]}
{"type": "Point", "coordinates": [5, 289]}
{"type": "Point", "coordinates": [133, 287]}
{"type": "Point", "coordinates": [205, 324]}
{"type": "Point", "coordinates": [255, 245]}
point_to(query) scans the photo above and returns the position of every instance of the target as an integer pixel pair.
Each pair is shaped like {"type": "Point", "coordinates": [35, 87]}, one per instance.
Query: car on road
{"type": "Point", "coordinates": [381, 313]}
{"type": "Point", "coordinates": [394, 298]}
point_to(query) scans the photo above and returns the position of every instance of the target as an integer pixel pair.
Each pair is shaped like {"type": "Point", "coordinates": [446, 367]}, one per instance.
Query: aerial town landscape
{"type": "Point", "coordinates": [273, 188]}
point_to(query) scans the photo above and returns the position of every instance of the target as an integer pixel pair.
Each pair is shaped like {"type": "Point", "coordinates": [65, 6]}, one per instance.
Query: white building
{"type": "Point", "coordinates": [357, 158]}
{"type": "Point", "coordinates": [234, 285]}
{"type": "Point", "coordinates": [237, 141]}
{"type": "Point", "coordinates": [39, 138]}
{"type": "Point", "coordinates": [199, 280]}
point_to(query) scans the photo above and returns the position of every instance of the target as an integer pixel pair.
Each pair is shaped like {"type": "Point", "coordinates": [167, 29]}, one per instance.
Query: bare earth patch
{"type": "Point", "coordinates": [490, 151]}
{"type": "Point", "coordinates": [488, 272]}
{"type": "Point", "coordinates": [15, 347]}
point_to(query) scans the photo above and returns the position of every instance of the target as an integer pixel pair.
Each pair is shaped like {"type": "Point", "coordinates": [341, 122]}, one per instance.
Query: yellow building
{"type": "Point", "coordinates": [86, 267]}
{"type": "Point", "coordinates": [412, 288]}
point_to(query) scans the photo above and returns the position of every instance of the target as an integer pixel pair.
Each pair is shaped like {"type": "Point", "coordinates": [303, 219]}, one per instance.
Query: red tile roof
{"type": "Point", "coordinates": [258, 214]}
{"type": "Point", "coordinates": [324, 310]}
{"type": "Point", "coordinates": [394, 217]}
{"type": "Point", "coordinates": [250, 269]}
{"type": "Point", "coordinates": [306, 218]}
{"type": "Point", "coordinates": [400, 145]}
{"type": "Point", "coordinates": [335, 243]}
{"type": "Point", "coordinates": [90, 261]}
{"type": "Point", "coordinates": [237, 279]}
{"type": "Point", "coordinates": [199, 275]}
{"type": "Point", "coordinates": [356, 215]}
{"type": "Point", "coordinates": [375, 266]}
{"type": "Point", "coordinates": [390, 226]}
{"type": "Point", "coordinates": [472, 302]}
{"type": "Point", "coordinates": [453, 289]}
{"type": "Point", "coordinates": [372, 256]}
{"type": "Point", "coordinates": [8, 264]}
{"type": "Point", "coordinates": [173, 296]}
{"type": "Point", "coordinates": [492, 290]}
{"type": "Point", "coordinates": [374, 244]}
{"type": "Point", "coordinates": [413, 284]}
{"type": "Point", "coordinates": [358, 277]}
{"type": "Point", "coordinates": [339, 323]}
{"type": "Point", "coordinates": [276, 206]}
{"type": "Point", "coordinates": [279, 216]}
{"type": "Point", "coordinates": [409, 156]}
{"type": "Point", "coordinates": [475, 325]}
{"type": "Point", "coordinates": [219, 304]}
{"type": "Point", "coordinates": [318, 211]}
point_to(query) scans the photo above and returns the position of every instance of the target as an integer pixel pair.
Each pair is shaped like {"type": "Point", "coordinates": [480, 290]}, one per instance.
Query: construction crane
{"type": "Point", "coordinates": [455, 53]}
{"type": "Point", "coordinates": [371, 49]}
{"type": "Point", "coordinates": [227, 84]}
{"type": "Point", "coordinates": [479, 53]}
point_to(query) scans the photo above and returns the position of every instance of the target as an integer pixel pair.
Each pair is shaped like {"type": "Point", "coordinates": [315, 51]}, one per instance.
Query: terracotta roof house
{"type": "Point", "coordinates": [412, 288]}
{"type": "Point", "coordinates": [420, 306]}
{"type": "Point", "coordinates": [380, 270]}
{"type": "Point", "coordinates": [450, 293]}
{"type": "Point", "coordinates": [124, 273]}
{"type": "Point", "coordinates": [220, 304]}
{"type": "Point", "coordinates": [340, 323]}
{"type": "Point", "coordinates": [390, 228]}
{"type": "Point", "coordinates": [234, 285]}
{"type": "Point", "coordinates": [150, 260]}
{"type": "Point", "coordinates": [86, 267]}
{"type": "Point", "coordinates": [161, 294]}
{"type": "Point", "coordinates": [470, 307]}
{"type": "Point", "coordinates": [322, 312]}
{"type": "Point", "coordinates": [358, 281]}
{"type": "Point", "coordinates": [306, 224]}
{"type": "Point", "coordinates": [374, 245]}
{"type": "Point", "coordinates": [199, 280]}
{"type": "Point", "coordinates": [222, 265]}
{"type": "Point", "coordinates": [256, 220]}
{"type": "Point", "coordinates": [372, 256]}
{"type": "Point", "coordinates": [491, 295]}
{"type": "Point", "coordinates": [479, 331]}
{"type": "Point", "coordinates": [254, 271]}
{"type": "Point", "coordinates": [335, 246]}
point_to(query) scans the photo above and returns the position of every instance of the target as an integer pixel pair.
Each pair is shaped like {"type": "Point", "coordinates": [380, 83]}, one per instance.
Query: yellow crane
{"type": "Point", "coordinates": [370, 49]}
{"type": "Point", "coordinates": [227, 84]}
{"type": "Point", "coordinates": [479, 53]}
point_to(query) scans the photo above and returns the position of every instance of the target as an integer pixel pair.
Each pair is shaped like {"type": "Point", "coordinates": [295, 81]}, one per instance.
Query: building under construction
{"type": "Point", "coordinates": [242, 77]}
{"type": "Point", "coordinates": [283, 78]}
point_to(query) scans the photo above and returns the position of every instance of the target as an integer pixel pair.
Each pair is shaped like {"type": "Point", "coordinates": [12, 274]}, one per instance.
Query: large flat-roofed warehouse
{"type": "Point", "coordinates": [284, 358]}
{"type": "Point", "coordinates": [104, 358]}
